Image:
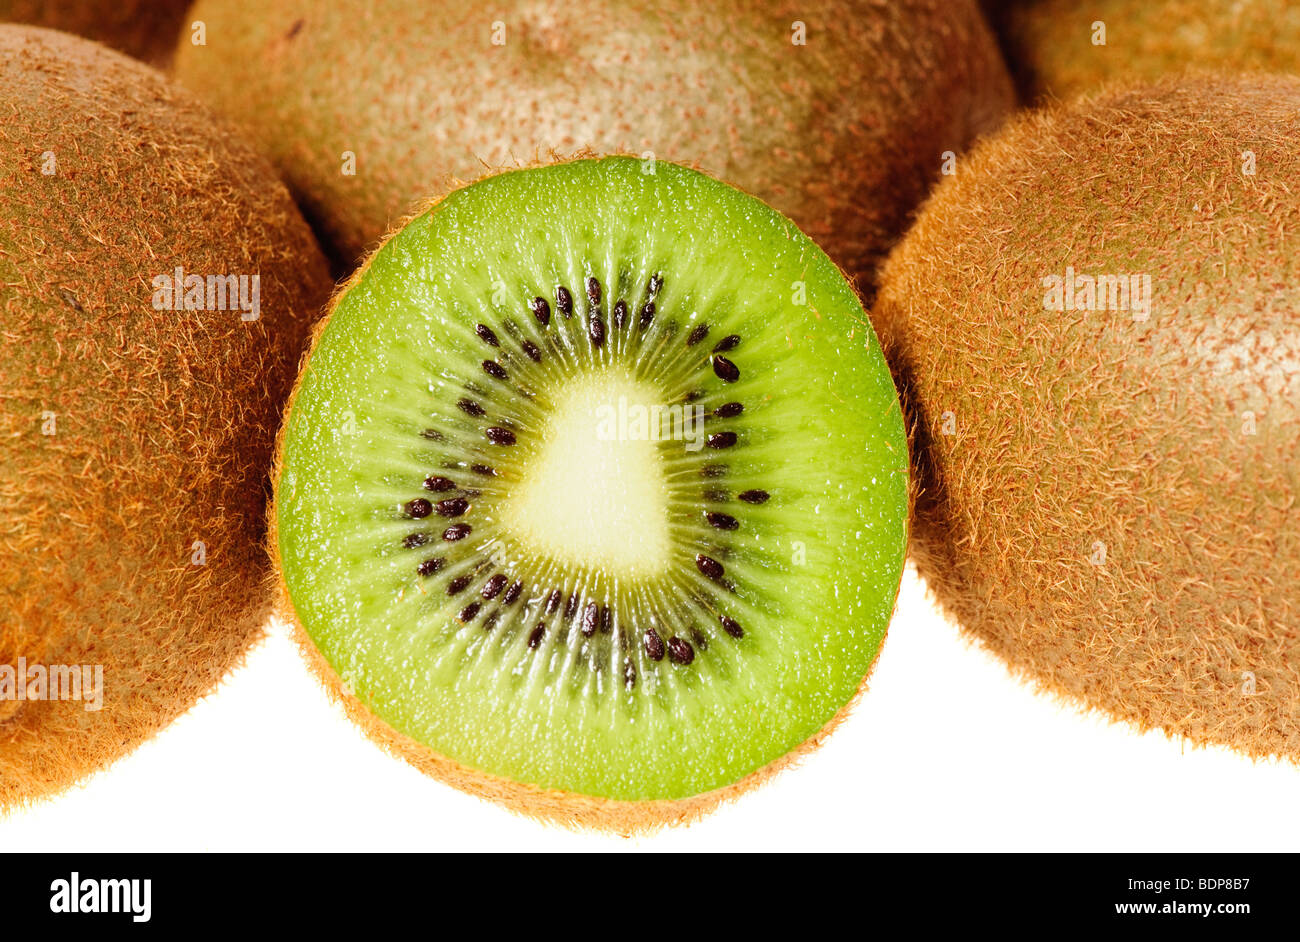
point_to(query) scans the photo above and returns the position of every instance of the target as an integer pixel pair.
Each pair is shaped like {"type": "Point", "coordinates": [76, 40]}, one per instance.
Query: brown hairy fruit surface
{"type": "Point", "coordinates": [844, 134]}
{"type": "Point", "coordinates": [1111, 503]}
{"type": "Point", "coordinates": [1050, 43]}
{"type": "Point", "coordinates": [145, 29]}
{"type": "Point", "coordinates": [131, 434]}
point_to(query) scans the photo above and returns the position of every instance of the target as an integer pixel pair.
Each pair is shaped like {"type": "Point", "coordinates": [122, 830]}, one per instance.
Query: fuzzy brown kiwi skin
{"type": "Point", "coordinates": [1073, 427]}
{"type": "Point", "coordinates": [1048, 43]}
{"type": "Point", "coordinates": [554, 806]}
{"type": "Point", "coordinates": [844, 135]}
{"type": "Point", "coordinates": [143, 29]}
{"type": "Point", "coordinates": [163, 421]}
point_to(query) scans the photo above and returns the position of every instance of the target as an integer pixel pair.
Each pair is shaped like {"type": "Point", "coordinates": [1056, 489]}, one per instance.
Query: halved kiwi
{"type": "Point", "coordinates": [592, 495]}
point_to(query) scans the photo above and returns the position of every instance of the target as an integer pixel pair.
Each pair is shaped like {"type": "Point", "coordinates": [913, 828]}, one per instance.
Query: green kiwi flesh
{"type": "Point", "coordinates": [837, 113]}
{"type": "Point", "coordinates": [512, 580]}
{"type": "Point", "coordinates": [137, 435]}
{"type": "Point", "coordinates": [1110, 489]}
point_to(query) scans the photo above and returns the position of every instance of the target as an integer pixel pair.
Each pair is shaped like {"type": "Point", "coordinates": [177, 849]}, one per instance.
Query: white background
{"type": "Point", "coordinates": [944, 752]}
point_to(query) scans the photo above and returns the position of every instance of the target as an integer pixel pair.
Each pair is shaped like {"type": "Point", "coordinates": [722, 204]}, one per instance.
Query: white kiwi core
{"type": "Point", "coordinates": [594, 493]}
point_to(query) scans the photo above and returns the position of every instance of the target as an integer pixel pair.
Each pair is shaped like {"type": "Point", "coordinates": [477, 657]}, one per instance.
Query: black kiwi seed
{"type": "Point", "coordinates": [486, 470]}
{"type": "Point", "coordinates": [647, 314]}
{"type": "Point", "coordinates": [470, 407]}
{"type": "Point", "coordinates": [430, 566]}
{"type": "Point", "coordinates": [680, 650]}
{"type": "Point", "coordinates": [654, 645]}
{"type": "Point", "coordinates": [620, 315]}
{"type": "Point", "coordinates": [537, 635]}
{"type": "Point", "coordinates": [487, 336]}
{"type": "Point", "coordinates": [571, 607]}
{"type": "Point", "coordinates": [590, 619]}
{"type": "Point", "coordinates": [553, 601]}
{"type": "Point", "coordinates": [492, 588]}
{"type": "Point", "coordinates": [629, 674]}
{"type": "Point", "coordinates": [708, 566]}
{"type": "Point", "coordinates": [713, 470]}
{"type": "Point", "coordinates": [534, 353]}
{"type": "Point", "coordinates": [512, 593]}
{"type": "Point", "coordinates": [452, 507]}
{"type": "Point", "coordinates": [729, 410]}
{"type": "Point", "coordinates": [500, 436]}
{"type": "Point", "coordinates": [606, 620]}
{"type": "Point", "coordinates": [754, 497]}
{"type": "Point", "coordinates": [411, 541]}
{"type": "Point", "coordinates": [722, 439]}
{"type": "Point", "coordinates": [457, 585]}
{"type": "Point", "coordinates": [436, 482]}
{"type": "Point", "coordinates": [728, 342]}
{"type": "Point", "coordinates": [725, 370]}
{"type": "Point", "coordinates": [494, 369]}
{"type": "Point", "coordinates": [564, 301]}
{"type": "Point", "coordinates": [731, 626]}
{"type": "Point", "coordinates": [469, 611]}
{"type": "Point", "coordinates": [432, 434]}
{"type": "Point", "coordinates": [721, 521]}
{"type": "Point", "coordinates": [697, 334]}
{"type": "Point", "coordinates": [596, 330]}
{"type": "Point", "coordinates": [457, 531]}
{"type": "Point", "coordinates": [491, 621]}
{"type": "Point", "coordinates": [656, 282]}
{"type": "Point", "coordinates": [541, 310]}
{"type": "Point", "coordinates": [593, 290]}
{"type": "Point", "coordinates": [715, 495]}
{"type": "Point", "coordinates": [419, 508]}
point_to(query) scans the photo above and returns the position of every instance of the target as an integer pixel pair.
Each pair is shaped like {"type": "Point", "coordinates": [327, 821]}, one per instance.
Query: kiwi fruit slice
{"type": "Point", "coordinates": [137, 434]}
{"type": "Point", "coordinates": [145, 29]}
{"type": "Point", "coordinates": [592, 494]}
{"type": "Point", "coordinates": [1061, 48]}
{"type": "Point", "coordinates": [1096, 327]}
{"type": "Point", "coordinates": [837, 113]}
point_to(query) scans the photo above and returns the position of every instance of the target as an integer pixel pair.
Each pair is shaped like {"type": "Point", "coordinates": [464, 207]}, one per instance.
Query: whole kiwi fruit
{"type": "Point", "coordinates": [144, 29]}
{"type": "Point", "coordinates": [1060, 48]}
{"type": "Point", "coordinates": [592, 494]}
{"type": "Point", "coordinates": [1096, 326]}
{"type": "Point", "coordinates": [138, 420]}
{"type": "Point", "coordinates": [836, 113]}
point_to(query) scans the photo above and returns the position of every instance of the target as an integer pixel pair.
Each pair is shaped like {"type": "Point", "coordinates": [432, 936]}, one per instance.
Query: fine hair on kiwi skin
{"type": "Point", "coordinates": [1059, 48]}
{"type": "Point", "coordinates": [837, 114]}
{"type": "Point", "coordinates": [614, 311]}
{"type": "Point", "coordinates": [133, 480]}
{"type": "Point", "coordinates": [1109, 497]}
{"type": "Point", "coordinates": [142, 29]}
